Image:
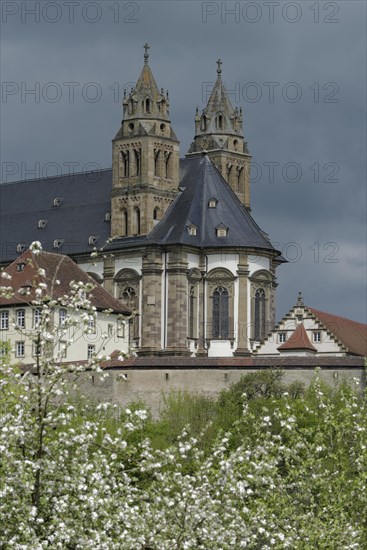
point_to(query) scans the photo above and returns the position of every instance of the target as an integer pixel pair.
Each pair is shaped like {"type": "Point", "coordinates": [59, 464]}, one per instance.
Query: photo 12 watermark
{"type": "Point", "coordinates": [68, 92]}
{"type": "Point", "coordinates": [52, 12]}
{"type": "Point", "coordinates": [20, 171]}
{"type": "Point", "coordinates": [275, 92]}
{"type": "Point", "coordinates": [270, 12]}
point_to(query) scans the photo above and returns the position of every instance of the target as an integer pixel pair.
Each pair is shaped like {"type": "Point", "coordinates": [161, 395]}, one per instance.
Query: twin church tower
{"type": "Point", "coordinates": [146, 152]}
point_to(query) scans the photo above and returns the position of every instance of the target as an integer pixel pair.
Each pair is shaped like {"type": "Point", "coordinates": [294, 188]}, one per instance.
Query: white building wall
{"type": "Point", "coordinates": [258, 262]}
{"type": "Point", "coordinates": [77, 349]}
{"type": "Point", "coordinates": [135, 263]}
{"type": "Point", "coordinates": [193, 260]}
{"type": "Point", "coordinates": [226, 261]}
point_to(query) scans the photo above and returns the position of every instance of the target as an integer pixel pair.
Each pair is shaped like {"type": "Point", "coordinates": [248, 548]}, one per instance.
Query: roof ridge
{"type": "Point", "coordinates": [315, 311]}
{"type": "Point", "coordinates": [57, 176]}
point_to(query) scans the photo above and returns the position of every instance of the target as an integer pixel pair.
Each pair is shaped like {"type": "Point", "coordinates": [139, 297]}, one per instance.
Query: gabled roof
{"type": "Point", "coordinates": [351, 334]}
{"type": "Point", "coordinates": [200, 182]}
{"type": "Point", "coordinates": [86, 198]}
{"type": "Point", "coordinates": [60, 271]}
{"type": "Point", "coordinates": [298, 341]}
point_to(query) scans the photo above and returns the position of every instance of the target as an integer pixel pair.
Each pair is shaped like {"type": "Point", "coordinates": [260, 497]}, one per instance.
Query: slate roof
{"type": "Point", "coordinates": [200, 182]}
{"type": "Point", "coordinates": [86, 198]}
{"type": "Point", "coordinates": [57, 267]}
{"type": "Point", "coordinates": [298, 341]}
{"type": "Point", "coordinates": [351, 334]}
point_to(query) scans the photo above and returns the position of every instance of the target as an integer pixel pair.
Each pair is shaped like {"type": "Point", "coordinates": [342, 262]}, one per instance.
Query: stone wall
{"type": "Point", "coordinates": [151, 384]}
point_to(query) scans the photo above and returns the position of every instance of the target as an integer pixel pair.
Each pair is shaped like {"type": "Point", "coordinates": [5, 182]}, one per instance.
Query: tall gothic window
{"type": "Point", "coordinates": [125, 158]}
{"type": "Point", "coordinates": [239, 177]}
{"type": "Point", "coordinates": [156, 213]}
{"type": "Point", "coordinates": [130, 300]}
{"type": "Point", "coordinates": [147, 105]}
{"type": "Point", "coordinates": [220, 313]}
{"type": "Point", "coordinates": [229, 171]}
{"type": "Point", "coordinates": [125, 221]}
{"type": "Point", "coordinates": [137, 162]}
{"type": "Point", "coordinates": [167, 163]}
{"type": "Point", "coordinates": [260, 314]}
{"type": "Point", "coordinates": [136, 221]}
{"type": "Point", "coordinates": [157, 155]}
{"type": "Point", "coordinates": [220, 122]}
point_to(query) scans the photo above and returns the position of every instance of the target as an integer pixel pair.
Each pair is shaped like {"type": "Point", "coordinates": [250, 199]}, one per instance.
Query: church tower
{"type": "Point", "coordinates": [145, 159]}
{"type": "Point", "coordinates": [218, 130]}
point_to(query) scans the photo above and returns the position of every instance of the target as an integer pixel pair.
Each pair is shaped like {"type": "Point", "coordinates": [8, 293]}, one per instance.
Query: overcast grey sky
{"type": "Point", "coordinates": [298, 69]}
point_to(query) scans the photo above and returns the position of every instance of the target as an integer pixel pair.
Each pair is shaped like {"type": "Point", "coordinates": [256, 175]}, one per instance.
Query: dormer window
{"type": "Point", "coordinates": [20, 266]}
{"type": "Point", "coordinates": [212, 203]}
{"type": "Point", "coordinates": [20, 247]}
{"type": "Point", "coordinates": [192, 229]}
{"type": "Point", "coordinates": [92, 239]}
{"type": "Point", "coordinates": [107, 217]}
{"type": "Point", "coordinates": [58, 243]}
{"type": "Point", "coordinates": [57, 201]}
{"type": "Point", "coordinates": [42, 224]}
{"type": "Point", "coordinates": [222, 230]}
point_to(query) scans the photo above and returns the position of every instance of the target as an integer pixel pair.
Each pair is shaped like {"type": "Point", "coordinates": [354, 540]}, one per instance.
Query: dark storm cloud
{"type": "Point", "coordinates": [315, 196]}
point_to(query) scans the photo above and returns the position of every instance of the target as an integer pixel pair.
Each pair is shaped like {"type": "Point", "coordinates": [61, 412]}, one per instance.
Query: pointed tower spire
{"type": "Point", "coordinates": [145, 158]}
{"type": "Point", "coordinates": [219, 131]}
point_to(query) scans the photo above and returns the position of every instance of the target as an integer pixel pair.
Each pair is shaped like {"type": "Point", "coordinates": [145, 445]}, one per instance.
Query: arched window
{"type": "Point", "coordinates": [259, 314]}
{"type": "Point", "coordinates": [131, 106]}
{"type": "Point", "coordinates": [220, 313]}
{"type": "Point", "coordinates": [203, 122]}
{"type": "Point", "coordinates": [125, 158]}
{"type": "Point", "coordinates": [156, 213]}
{"type": "Point", "coordinates": [239, 178]}
{"type": "Point", "coordinates": [136, 221]}
{"type": "Point", "coordinates": [157, 158]}
{"type": "Point", "coordinates": [167, 165]}
{"type": "Point", "coordinates": [130, 300]}
{"type": "Point", "coordinates": [229, 171]}
{"type": "Point", "coordinates": [220, 122]}
{"type": "Point", "coordinates": [125, 221]}
{"type": "Point", "coordinates": [128, 291]}
{"type": "Point", "coordinates": [137, 161]}
{"type": "Point", "coordinates": [147, 105]}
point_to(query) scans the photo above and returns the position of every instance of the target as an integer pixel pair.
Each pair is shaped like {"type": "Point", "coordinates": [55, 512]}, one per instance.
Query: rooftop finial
{"type": "Point", "coordinates": [219, 70]}
{"type": "Point", "coordinates": [300, 299]}
{"type": "Point", "coordinates": [146, 55]}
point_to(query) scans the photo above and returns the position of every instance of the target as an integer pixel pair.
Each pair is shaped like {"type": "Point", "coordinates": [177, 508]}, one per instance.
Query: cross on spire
{"type": "Point", "coordinates": [219, 69]}
{"type": "Point", "coordinates": [146, 55]}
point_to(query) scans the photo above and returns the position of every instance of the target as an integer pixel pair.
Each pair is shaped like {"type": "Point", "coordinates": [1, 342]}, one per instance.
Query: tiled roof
{"type": "Point", "coordinates": [351, 334]}
{"type": "Point", "coordinates": [297, 341]}
{"type": "Point", "coordinates": [286, 361]}
{"type": "Point", "coordinates": [57, 268]}
{"type": "Point", "coordinates": [243, 363]}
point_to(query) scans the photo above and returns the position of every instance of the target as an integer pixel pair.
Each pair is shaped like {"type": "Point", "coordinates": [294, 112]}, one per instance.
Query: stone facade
{"type": "Point", "coordinates": [189, 300]}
